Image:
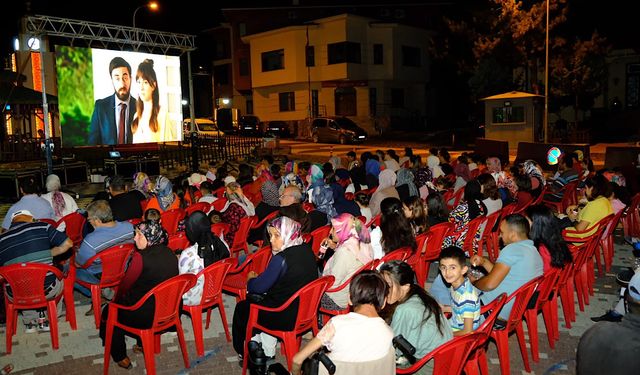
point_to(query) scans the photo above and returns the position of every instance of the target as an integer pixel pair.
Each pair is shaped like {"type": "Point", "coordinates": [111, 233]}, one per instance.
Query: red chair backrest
{"type": "Point", "coordinates": [521, 297]}
{"type": "Point", "coordinates": [436, 234]}
{"type": "Point", "coordinates": [200, 206]}
{"type": "Point", "coordinates": [271, 216]}
{"type": "Point", "coordinates": [307, 206]}
{"type": "Point", "coordinates": [114, 261]}
{"type": "Point", "coordinates": [178, 241]}
{"type": "Point", "coordinates": [259, 260]}
{"type": "Point", "coordinates": [470, 244]}
{"type": "Point", "coordinates": [375, 221]}
{"type": "Point", "coordinates": [74, 223]}
{"type": "Point", "coordinates": [317, 236]}
{"type": "Point", "coordinates": [144, 203]}
{"type": "Point", "coordinates": [170, 219]}
{"type": "Point", "coordinates": [168, 296]}
{"type": "Point", "coordinates": [613, 224]}
{"type": "Point", "coordinates": [27, 282]}
{"type": "Point", "coordinates": [219, 193]}
{"type": "Point", "coordinates": [508, 210]}
{"type": "Point", "coordinates": [219, 229]}
{"type": "Point", "coordinates": [546, 286]}
{"type": "Point", "coordinates": [349, 196]}
{"type": "Point", "coordinates": [219, 204]}
{"type": "Point", "coordinates": [398, 254]}
{"type": "Point", "coordinates": [369, 266]}
{"type": "Point", "coordinates": [213, 277]}
{"type": "Point", "coordinates": [493, 308]}
{"type": "Point", "coordinates": [309, 296]}
{"type": "Point", "coordinates": [492, 220]}
{"type": "Point", "coordinates": [243, 231]}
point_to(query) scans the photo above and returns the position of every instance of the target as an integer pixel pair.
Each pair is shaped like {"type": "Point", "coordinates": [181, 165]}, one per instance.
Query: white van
{"type": "Point", "coordinates": [204, 127]}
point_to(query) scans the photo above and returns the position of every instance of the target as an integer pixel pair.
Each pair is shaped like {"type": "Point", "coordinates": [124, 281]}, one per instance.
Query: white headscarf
{"type": "Point", "coordinates": [387, 178]}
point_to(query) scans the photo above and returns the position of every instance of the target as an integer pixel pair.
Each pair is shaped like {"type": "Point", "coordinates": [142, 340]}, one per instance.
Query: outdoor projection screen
{"type": "Point", "coordinates": [102, 103]}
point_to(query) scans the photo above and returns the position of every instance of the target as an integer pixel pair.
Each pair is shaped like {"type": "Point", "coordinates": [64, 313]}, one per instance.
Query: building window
{"type": "Point", "coordinates": [397, 98]}
{"type": "Point", "coordinates": [287, 101]}
{"type": "Point", "coordinates": [273, 60]}
{"type": "Point", "coordinates": [410, 56]}
{"type": "Point", "coordinates": [508, 114]}
{"type": "Point", "coordinates": [243, 67]}
{"type": "Point", "coordinates": [343, 52]}
{"type": "Point", "coordinates": [310, 56]}
{"type": "Point", "coordinates": [242, 29]}
{"type": "Point", "coordinates": [345, 98]}
{"type": "Point", "coordinates": [378, 54]}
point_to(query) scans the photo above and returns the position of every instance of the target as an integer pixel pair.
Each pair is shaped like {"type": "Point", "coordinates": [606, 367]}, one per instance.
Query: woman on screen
{"type": "Point", "coordinates": [148, 123]}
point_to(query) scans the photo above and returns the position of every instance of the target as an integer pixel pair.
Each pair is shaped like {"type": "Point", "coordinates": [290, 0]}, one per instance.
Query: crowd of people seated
{"type": "Point", "coordinates": [375, 205]}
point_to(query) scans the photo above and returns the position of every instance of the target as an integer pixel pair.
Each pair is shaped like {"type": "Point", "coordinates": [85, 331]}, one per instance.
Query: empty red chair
{"type": "Point", "coordinates": [449, 358]}
{"type": "Point", "coordinates": [317, 236]}
{"type": "Point", "coordinates": [178, 241]}
{"type": "Point", "coordinates": [74, 223]}
{"type": "Point", "coordinates": [521, 298]}
{"type": "Point", "coordinates": [26, 281]}
{"type": "Point", "coordinates": [236, 280]}
{"type": "Point", "coordinates": [309, 300]}
{"type": "Point", "coordinates": [240, 239]}
{"type": "Point", "coordinates": [170, 220]}
{"type": "Point", "coordinates": [545, 289]}
{"type": "Point", "coordinates": [200, 206]}
{"type": "Point", "coordinates": [114, 261]}
{"type": "Point", "coordinates": [211, 297]}
{"type": "Point", "coordinates": [167, 297]}
{"type": "Point", "coordinates": [218, 204]}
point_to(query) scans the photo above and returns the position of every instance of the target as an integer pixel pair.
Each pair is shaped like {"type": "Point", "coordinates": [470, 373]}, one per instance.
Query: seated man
{"type": "Point", "coordinates": [35, 242]}
{"type": "Point", "coordinates": [344, 335]}
{"type": "Point", "coordinates": [30, 201]}
{"type": "Point", "coordinates": [566, 174]}
{"type": "Point", "coordinates": [518, 263]}
{"type": "Point", "coordinates": [125, 205]}
{"type": "Point", "coordinates": [107, 233]}
{"type": "Point", "coordinates": [612, 348]}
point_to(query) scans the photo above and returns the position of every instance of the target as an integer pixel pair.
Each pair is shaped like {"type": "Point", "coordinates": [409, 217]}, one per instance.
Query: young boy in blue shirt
{"type": "Point", "coordinates": [465, 306]}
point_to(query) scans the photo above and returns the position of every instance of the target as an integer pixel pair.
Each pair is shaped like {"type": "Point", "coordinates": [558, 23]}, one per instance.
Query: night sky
{"type": "Point", "coordinates": [612, 18]}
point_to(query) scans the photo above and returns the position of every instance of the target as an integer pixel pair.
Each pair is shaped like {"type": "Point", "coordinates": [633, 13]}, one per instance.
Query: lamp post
{"type": "Point", "coordinates": [546, 80]}
{"type": "Point", "coordinates": [153, 5]}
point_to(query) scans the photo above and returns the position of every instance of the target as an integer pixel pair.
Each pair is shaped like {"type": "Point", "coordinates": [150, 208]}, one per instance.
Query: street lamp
{"type": "Point", "coordinates": [153, 5]}
{"type": "Point", "coordinates": [546, 79]}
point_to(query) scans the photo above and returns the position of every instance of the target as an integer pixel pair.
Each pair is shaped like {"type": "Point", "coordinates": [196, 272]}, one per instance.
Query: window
{"type": "Point", "coordinates": [242, 29]}
{"type": "Point", "coordinates": [243, 67]}
{"type": "Point", "coordinates": [508, 114]}
{"type": "Point", "coordinates": [287, 101]}
{"type": "Point", "coordinates": [343, 52]}
{"type": "Point", "coordinates": [310, 56]}
{"type": "Point", "coordinates": [397, 98]}
{"type": "Point", "coordinates": [410, 56]}
{"type": "Point", "coordinates": [378, 54]}
{"type": "Point", "coordinates": [345, 98]}
{"type": "Point", "coordinates": [273, 60]}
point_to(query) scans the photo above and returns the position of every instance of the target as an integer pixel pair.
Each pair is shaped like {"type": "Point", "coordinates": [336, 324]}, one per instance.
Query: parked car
{"type": "Point", "coordinates": [204, 127]}
{"type": "Point", "coordinates": [249, 124]}
{"type": "Point", "coordinates": [337, 129]}
{"type": "Point", "coordinates": [277, 127]}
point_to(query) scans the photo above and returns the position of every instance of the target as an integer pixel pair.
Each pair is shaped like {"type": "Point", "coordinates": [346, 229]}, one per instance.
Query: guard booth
{"type": "Point", "coordinates": [514, 117]}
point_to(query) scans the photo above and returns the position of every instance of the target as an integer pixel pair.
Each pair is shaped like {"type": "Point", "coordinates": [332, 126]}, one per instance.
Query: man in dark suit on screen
{"type": "Point", "coordinates": [112, 116]}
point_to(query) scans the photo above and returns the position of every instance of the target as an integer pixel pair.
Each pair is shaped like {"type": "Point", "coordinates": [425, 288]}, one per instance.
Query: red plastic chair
{"type": "Point", "coordinates": [240, 239]}
{"type": "Point", "coordinates": [402, 254]}
{"type": "Point", "coordinates": [200, 206]}
{"type": "Point", "coordinates": [374, 221]}
{"type": "Point", "coordinates": [50, 222]}
{"type": "Point", "coordinates": [114, 261]}
{"type": "Point", "coordinates": [259, 224]}
{"type": "Point", "coordinates": [471, 245]}
{"type": "Point", "coordinates": [452, 199]}
{"type": "Point", "coordinates": [26, 281]}
{"type": "Point", "coordinates": [436, 236]}
{"type": "Point", "coordinates": [309, 299]}
{"type": "Point", "coordinates": [631, 218]}
{"type": "Point", "coordinates": [416, 260]}
{"type": "Point", "coordinates": [606, 242]}
{"type": "Point", "coordinates": [545, 288]}
{"type": "Point", "coordinates": [219, 229]}
{"type": "Point", "coordinates": [167, 297]}
{"type": "Point", "coordinates": [521, 298]}
{"type": "Point", "coordinates": [236, 280]}
{"type": "Point", "coordinates": [144, 203]}
{"type": "Point", "coordinates": [308, 206]}
{"type": "Point", "coordinates": [477, 362]}
{"type": "Point", "coordinates": [218, 204]}
{"type": "Point", "coordinates": [74, 222]}
{"type": "Point", "coordinates": [449, 358]}
{"type": "Point", "coordinates": [219, 193]}
{"type": "Point", "coordinates": [327, 313]}
{"type": "Point", "coordinates": [178, 241]}
{"type": "Point", "coordinates": [487, 239]}
{"type": "Point", "coordinates": [317, 236]}
{"type": "Point", "coordinates": [211, 297]}
{"type": "Point", "coordinates": [170, 219]}
{"type": "Point", "coordinates": [564, 289]}
{"type": "Point", "coordinates": [349, 196]}
{"type": "Point", "coordinates": [569, 197]}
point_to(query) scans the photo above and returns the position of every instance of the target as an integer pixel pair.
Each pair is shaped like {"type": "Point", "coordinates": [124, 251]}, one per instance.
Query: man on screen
{"type": "Point", "coordinates": [112, 116]}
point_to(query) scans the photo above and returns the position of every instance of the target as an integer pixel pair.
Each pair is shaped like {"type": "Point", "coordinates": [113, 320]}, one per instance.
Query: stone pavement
{"type": "Point", "coordinates": [81, 351]}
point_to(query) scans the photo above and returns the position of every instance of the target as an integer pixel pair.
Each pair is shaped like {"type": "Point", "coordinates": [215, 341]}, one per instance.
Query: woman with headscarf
{"type": "Point", "coordinates": [405, 184]}
{"type": "Point", "coordinates": [288, 271]}
{"type": "Point", "coordinates": [142, 186]}
{"type": "Point", "coordinates": [236, 208]}
{"type": "Point", "coordinates": [207, 249]}
{"type": "Point", "coordinates": [463, 175]}
{"type": "Point", "coordinates": [150, 265]}
{"type": "Point", "coordinates": [468, 209]}
{"type": "Point", "coordinates": [372, 170]}
{"type": "Point", "coordinates": [165, 198]}
{"type": "Point", "coordinates": [320, 193]}
{"type": "Point", "coordinates": [63, 204]}
{"type": "Point", "coordinates": [341, 203]}
{"type": "Point", "coordinates": [506, 184]}
{"type": "Point", "coordinates": [292, 179]}
{"type": "Point", "coordinates": [433, 162]}
{"type": "Point", "coordinates": [352, 243]}
{"type": "Point", "coordinates": [532, 169]}
{"type": "Point", "coordinates": [386, 189]}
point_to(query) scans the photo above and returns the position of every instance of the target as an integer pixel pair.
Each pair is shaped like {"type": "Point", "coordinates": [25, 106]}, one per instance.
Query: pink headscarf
{"type": "Point", "coordinates": [346, 227]}
{"type": "Point", "coordinates": [462, 170]}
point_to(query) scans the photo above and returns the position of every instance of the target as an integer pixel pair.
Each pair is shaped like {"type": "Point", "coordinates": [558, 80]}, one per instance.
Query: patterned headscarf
{"type": "Point", "coordinates": [405, 176]}
{"type": "Point", "coordinates": [164, 191]}
{"type": "Point", "coordinates": [57, 199]}
{"type": "Point", "coordinates": [316, 176]}
{"type": "Point", "coordinates": [292, 179]}
{"type": "Point", "coordinates": [142, 183]}
{"type": "Point", "coordinates": [346, 227]}
{"type": "Point", "coordinates": [289, 232]}
{"type": "Point", "coordinates": [153, 232]}
{"type": "Point", "coordinates": [532, 170]}
{"type": "Point", "coordinates": [494, 165]}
